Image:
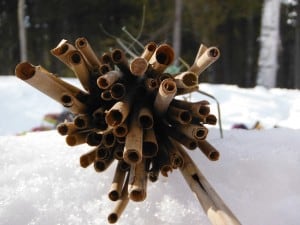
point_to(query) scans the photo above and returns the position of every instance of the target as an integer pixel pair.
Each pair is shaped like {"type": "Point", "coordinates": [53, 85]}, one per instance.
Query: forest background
{"type": "Point", "coordinates": [232, 25]}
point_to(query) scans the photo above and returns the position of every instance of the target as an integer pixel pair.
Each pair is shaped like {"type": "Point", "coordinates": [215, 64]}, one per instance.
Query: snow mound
{"type": "Point", "coordinates": [41, 182]}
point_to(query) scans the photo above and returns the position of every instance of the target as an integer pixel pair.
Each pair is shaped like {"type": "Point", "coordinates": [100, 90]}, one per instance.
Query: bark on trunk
{"type": "Point", "coordinates": [22, 30]}
{"type": "Point", "coordinates": [269, 40]}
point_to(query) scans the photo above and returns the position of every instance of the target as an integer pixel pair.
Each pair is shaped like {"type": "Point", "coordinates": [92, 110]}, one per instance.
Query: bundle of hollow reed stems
{"type": "Point", "coordinates": [128, 112]}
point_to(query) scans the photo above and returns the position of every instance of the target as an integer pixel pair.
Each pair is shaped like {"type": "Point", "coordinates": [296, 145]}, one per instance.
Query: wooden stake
{"type": "Point", "coordinates": [216, 210]}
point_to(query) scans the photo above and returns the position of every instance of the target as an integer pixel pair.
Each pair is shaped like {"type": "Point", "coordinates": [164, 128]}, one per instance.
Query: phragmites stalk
{"type": "Point", "coordinates": [127, 111]}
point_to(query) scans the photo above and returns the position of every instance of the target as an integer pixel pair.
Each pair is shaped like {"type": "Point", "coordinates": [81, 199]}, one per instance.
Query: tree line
{"type": "Point", "coordinates": [233, 26]}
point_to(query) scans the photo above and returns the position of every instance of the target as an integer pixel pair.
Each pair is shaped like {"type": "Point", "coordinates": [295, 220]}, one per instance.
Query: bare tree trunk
{"type": "Point", "coordinates": [269, 40]}
{"type": "Point", "coordinates": [249, 50]}
{"type": "Point", "coordinates": [177, 30]}
{"type": "Point", "coordinates": [297, 50]}
{"type": "Point", "coordinates": [22, 30]}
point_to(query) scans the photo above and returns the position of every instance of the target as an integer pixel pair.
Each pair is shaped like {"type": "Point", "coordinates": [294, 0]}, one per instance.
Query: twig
{"type": "Point", "coordinates": [219, 110]}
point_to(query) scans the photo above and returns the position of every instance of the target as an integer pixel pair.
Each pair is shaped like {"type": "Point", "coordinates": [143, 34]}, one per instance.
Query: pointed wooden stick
{"type": "Point", "coordinates": [216, 210]}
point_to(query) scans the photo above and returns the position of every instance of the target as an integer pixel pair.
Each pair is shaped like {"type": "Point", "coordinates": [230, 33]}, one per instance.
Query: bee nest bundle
{"type": "Point", "coordinates": [127, 111]}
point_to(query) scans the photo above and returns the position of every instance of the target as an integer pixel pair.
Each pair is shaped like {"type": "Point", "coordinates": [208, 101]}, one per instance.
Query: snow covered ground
{"type": "Point", "coordinates": [257, 175]}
